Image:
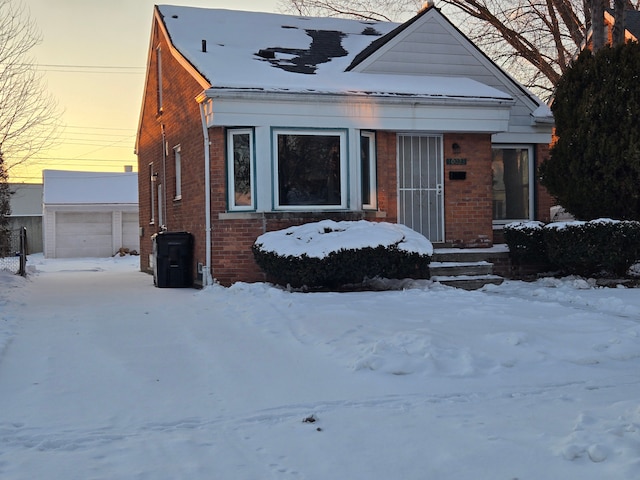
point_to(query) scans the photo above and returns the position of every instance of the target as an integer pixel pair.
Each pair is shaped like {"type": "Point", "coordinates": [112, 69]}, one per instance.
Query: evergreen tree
{"type": "Point", "coordinates": [5, 210]}
{"type": "Point", "coordinates": [594, 167]}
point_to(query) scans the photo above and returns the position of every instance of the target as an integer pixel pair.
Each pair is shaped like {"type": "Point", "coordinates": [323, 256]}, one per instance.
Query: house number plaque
{"type": "Point", "coordinates": [456, 161]}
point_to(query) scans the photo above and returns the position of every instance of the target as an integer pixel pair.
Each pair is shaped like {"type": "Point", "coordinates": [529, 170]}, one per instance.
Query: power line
{"type": "Point", "coordinates": [120, 67]}
{"type": "Point", "coordinates": [98, 128]}
{"type": "Point", "coordinates": [90, 71]}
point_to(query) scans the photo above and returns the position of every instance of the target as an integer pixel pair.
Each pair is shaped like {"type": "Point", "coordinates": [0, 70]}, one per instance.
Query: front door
{"type": "Point", "coordinates": [420, 184]}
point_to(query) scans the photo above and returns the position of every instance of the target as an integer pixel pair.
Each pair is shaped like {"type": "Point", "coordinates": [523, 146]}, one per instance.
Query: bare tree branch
{"type": "Point", "coordinates": [29, 117]}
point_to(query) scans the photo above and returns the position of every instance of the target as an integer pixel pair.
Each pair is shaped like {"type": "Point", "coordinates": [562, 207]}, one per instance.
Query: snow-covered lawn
{"type": "Point", "coordinates": [103, 376]}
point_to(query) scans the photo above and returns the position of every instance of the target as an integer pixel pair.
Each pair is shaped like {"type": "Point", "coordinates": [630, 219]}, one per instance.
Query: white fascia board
{"type": "Point", "coordinates": [91, 207]}
{"type": "Point", "coordinates": [522, 137]}
{"type": "Point", "coordinates": [239, 108]}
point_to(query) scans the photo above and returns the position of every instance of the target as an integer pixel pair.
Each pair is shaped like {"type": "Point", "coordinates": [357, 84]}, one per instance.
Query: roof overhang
{"type": "Point", "coordinates": [250, 107]}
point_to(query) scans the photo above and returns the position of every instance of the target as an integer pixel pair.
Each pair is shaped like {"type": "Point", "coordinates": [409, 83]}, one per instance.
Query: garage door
{"type": "Point", "coordinates": [83, 234]}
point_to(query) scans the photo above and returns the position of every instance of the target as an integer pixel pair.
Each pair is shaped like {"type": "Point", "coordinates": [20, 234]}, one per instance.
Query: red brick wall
{"type": "Point", "coordinates": [233, 238]}
{"type": "Point", "coordinates": [387, 175]}
{"type": "Point", "coordinates": [469, 202]}
{"type": "Point", "coordinates": [180, 118]}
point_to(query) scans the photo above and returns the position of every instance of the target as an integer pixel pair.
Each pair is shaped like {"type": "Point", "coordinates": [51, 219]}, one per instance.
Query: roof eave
{"type": "Point", "coordinates": [262, 94]}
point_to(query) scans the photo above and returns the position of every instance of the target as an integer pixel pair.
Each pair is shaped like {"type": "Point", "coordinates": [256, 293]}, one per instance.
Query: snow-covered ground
{"type": "Point", "coordinates": [103, 376]}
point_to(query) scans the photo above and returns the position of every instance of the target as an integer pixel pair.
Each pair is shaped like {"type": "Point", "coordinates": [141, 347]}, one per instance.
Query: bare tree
{"type": "Point", "coordinates": [381, 10]}
{"type": "Point", "coordinates": [618, 25]}
{"type": "Point", "coordinates": [597, 17]}
{"type": "Point", "coordinates": [534, 40]}
{"type": "Point", "coordinates": [28, 115]}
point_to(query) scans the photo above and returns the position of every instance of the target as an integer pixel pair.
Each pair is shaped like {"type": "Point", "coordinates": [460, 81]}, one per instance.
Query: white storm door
{"type": "Point", "coordinates": [420, 184]}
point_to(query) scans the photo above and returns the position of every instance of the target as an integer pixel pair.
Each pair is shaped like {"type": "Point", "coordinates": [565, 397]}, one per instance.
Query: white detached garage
{"type": "Point", "coordinates": [89, 214]}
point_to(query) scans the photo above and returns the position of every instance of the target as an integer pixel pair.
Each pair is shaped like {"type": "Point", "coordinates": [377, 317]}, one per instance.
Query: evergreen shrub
{"type": "Point", "coordinates": [594, 167]}
{"type": "Point", "coordinates": [346, 266]}
{"type": "Point", "coordinates": [526, 243]}
{"type": "Point", "coordinates": [598, 248]}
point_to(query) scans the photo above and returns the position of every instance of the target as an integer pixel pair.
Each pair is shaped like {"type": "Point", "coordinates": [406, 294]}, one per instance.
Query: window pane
{"type": "Point", "coordinates": [309, 169]}
{"type": "Point", "coordinates": [242, 169]}
{"type": "Point", "coordinates": [365, 159]}
{"type": "Point", "coordinates": [510, 183]}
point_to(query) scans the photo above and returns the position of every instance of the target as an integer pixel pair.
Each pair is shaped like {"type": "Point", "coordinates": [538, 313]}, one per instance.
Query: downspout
{"type": "Point", "coordinates": [206, 269]}
{"type": "Point", "coordinates": [164, 227]}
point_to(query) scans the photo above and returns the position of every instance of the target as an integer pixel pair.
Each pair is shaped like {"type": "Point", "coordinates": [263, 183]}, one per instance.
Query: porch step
{"type": "Point", "coordinates": [466, 269]}
{"type": "Point", "coordinates": [449, 269]}
{"type": "Point", "coordinates": [468, 282]}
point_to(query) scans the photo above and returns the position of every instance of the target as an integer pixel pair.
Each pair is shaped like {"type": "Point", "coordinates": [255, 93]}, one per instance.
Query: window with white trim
{"type": "Point", "coordinates": [513, 178]}
{"type": "Point", "coordinates": [310, 169]}
{"type": "Point", "coordinates": [240, 169]}
{"type": "Point", "coordinates": [368, 169]}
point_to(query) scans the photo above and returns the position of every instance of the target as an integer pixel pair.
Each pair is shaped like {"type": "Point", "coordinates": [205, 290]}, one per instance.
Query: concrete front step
{"type": "Point", "coordinates": [468, 282]}
{"type": "Point", "coordinates": [464, 268]}
{"type": "Point", "coordinates": [460, 268]}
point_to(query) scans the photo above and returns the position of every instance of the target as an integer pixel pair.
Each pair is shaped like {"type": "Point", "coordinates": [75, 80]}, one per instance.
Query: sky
{"type": "Point", "coordinates": [104, 376]}
{"type": "Point", "coordinates": [93, 55]}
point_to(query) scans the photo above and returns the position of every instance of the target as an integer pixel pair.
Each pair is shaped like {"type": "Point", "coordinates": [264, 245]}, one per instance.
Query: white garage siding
{"type": "Point", "coordinates": [130, 231]}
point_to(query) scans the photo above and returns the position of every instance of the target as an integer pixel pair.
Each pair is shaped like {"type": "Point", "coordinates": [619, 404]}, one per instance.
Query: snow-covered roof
{"type": "Point", "coordinates": [284, 53]}
{"type": "Point", "coordinates": [68, 187]}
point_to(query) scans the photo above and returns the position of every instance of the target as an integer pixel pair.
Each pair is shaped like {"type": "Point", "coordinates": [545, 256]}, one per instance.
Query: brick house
{"type": "Point", "coordinates": [253, 122]}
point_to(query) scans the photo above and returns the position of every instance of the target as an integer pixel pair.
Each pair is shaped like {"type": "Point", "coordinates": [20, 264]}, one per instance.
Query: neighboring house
{"type": "Point", "coordinates": [631, 28]}
{"type": "Point", "coordinates": [631, 25]}
{"type": "Point", "coordinates": [89, 214]}
{"type": "Point", "coordinates": [253, 122]}
{"type": "Point", "coordinates": [26, 211]}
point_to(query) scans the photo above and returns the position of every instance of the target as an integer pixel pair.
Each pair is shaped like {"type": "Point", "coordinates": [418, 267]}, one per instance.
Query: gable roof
{"type": "Point", "coordinates": [285, 53]}
{"type": "Point", "coordinates": [73, 188]}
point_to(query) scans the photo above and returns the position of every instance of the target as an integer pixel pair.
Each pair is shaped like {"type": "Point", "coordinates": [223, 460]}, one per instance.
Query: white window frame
{"type": "Point", "coordinates": [177, 161]}
{"type": "Point", "coordinates": [372, 202]}
{"type": "Point", "coordinates": [531, 173]}
{"type": "Point", "coordinates": [342, 134]}
{"type": "Point", "coordinates": [231, 173]}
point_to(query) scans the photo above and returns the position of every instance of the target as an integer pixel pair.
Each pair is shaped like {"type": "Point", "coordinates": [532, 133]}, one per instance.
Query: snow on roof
{"type": "Point", "coordinates": [273, 52]}
{"type": "Point", "coordinates": [68, 187]}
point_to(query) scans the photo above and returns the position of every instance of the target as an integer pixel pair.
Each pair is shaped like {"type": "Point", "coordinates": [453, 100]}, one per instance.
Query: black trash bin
{"type": "Point", "coordinates": [172, 259]}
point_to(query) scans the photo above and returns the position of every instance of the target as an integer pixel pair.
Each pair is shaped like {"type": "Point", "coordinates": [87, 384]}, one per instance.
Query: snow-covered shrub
{"type": "Point", "coordinates": [598, 247]}
{"type": "Point", "coordinates": [331, 254]}
{"type": "Point", "coordinates": [526, 243]}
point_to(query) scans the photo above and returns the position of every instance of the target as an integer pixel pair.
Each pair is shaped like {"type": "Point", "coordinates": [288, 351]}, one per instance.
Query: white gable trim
{"type": "Point", "coordinates": [189, 68]}
{"type": "Point", "coordinates": [409, 59]}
